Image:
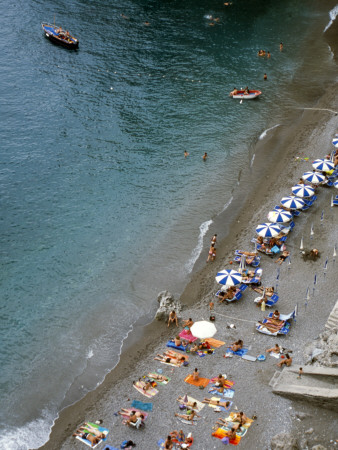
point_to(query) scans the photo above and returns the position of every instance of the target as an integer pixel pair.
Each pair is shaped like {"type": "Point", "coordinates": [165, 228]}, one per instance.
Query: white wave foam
{"type": "Point", "coordinates": [90, 353]}
{"type": "Point", "coordinates": [31, 435]}
{"type": "Point", "coordinates": [252, 160]}
{"type": "Point", "coordinates": [263, 135]}
{"type": "Point", "coordinates": [204, 227]}
{"type": "Point", "coordinates": [227, 204]}
{"type": "Point", "coordinates": [333, 14]}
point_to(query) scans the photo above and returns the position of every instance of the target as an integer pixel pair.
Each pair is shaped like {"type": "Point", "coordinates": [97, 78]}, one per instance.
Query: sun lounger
{"type": "Point", "coordinates": [256, 279]}
{"type": "Point", "coordinates": [237, 296]}
{"type": "Point", "coordinates": [284, 329]}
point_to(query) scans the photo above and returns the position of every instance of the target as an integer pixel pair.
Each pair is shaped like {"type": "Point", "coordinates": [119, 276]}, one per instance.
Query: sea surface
{"type": "Point", "coordinates": [99, 209]}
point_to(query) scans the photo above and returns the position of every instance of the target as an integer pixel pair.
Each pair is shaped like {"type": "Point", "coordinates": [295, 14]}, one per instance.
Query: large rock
{"type": "Point", "coordinates": [324, 352]}
{"type": "Point", "coordinates": [167, 304]}
{"type": "Point", "coordinates": [284, 441]}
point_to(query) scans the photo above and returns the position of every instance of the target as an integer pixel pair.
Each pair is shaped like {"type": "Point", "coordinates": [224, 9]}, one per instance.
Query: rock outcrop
{"type": "Point", "coordinates": [167, 304]}
{"type": "Point", "coordinates": [284, 441]}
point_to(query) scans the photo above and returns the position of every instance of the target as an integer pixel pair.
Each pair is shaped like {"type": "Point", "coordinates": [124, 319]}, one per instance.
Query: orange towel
{"type": "Point", "coordinates": [214, 342]}
{"type": "Point", "coordinates": [201, 381]}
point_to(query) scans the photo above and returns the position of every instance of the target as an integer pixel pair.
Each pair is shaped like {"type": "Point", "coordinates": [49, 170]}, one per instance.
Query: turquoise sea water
{"type": "Point", "coordinates": [99, 209]}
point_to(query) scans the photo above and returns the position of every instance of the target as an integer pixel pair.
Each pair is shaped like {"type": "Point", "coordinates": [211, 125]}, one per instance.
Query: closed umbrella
{"type": "Point", "coordinates": [324, 165]}
{"type": "Point", "coordinates": [229, 277]}
{"type": "Point", "coordinates": [292, 202]}
{"type": "Point", "coordinates": [268, 229]}
{"type": "Point", "coordinates": [203, 329]}
{"type": "Point", "coordinates": [280, 216]}
{"type": "Point", "coordinates": [242, 264]}
{"type": "Point", "coordinates": [313, 177]}
{"type": "Point", "coordinates": [302, 190]}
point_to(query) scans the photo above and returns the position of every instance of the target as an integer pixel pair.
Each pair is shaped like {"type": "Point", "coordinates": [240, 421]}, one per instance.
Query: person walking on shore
{"type": "Point", "coordinates": [212, 253]}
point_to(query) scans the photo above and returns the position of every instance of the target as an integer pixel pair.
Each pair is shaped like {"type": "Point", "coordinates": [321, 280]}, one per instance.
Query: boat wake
{"type": "Point", "coordinates": [204, 227]}
{"type": "Point", "coordinates": [333, 14]}
{"type": "Point", "coordinates": [263, 135]}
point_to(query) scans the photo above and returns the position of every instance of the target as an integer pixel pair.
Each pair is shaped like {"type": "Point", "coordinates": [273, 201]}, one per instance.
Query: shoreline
{"type": "Point", "coordinates": [200, 284]}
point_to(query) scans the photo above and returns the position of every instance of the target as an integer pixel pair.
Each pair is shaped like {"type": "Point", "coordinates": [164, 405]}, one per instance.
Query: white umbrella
{"type": "Point", "coordinates": [203, 329]}
{"type": "Point", "coordinates": [292, 202]}
{"type": "Point", "coordinates": [313, 177]}
{"type": "Point", "coordinates": [302, 190]}
{"type": "Point", "coordinates": [279, 216]}
{"type": "Point", "coordinates": [324, 165]}
{"type": "Point", "coordinates": [268, 229]}
{"type": "Point", "coordinates": [229, 277]}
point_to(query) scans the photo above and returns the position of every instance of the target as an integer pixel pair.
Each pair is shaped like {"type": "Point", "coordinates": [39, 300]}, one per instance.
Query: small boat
{"type": "Point", "coordinates": [248, 96]}
{"type": "Point", "coordinates": [59, 36]}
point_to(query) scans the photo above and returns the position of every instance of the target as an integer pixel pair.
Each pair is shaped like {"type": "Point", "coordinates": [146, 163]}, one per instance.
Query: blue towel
{"type": "Point", "coordinates": [142, 405]}
{"type": "Point", "coordinates": [178, 347]}
{"type": "Point", "coordinates": [227, 393]}
{"type": "Point", "coordinates": [241, 352]}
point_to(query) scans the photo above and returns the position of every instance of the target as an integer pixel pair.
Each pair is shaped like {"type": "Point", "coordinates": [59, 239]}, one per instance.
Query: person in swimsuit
{"type": "Point", "coordinates": [189, 417]}
{"type": "Point", "coordinates": [178, 435]}
{"type": "Point", "coordinates": [238, 345]}
{"type": "Point", "coordinates": [204, 157]}
{"type": "Point", "coordinates": [168, 443]}
{"type": "Point", "coordinates": [209, 401]}
{"type": "Point", "coordinates": [191, 404]}
{"type": "Point", "coordinates": [173, 318]}
{"type": "Point", "coordinates": [282, 257]}
{"type": "Point", "coordinates": [94, 440]}
{"type": "Point", "coordinates": [186, 154]}
{"type": "Point", "coordinates": [195, 375]}
{"type": "Point", "coordinates": [87, 428]}
{"type": "Point", "coordinates": [188, 323]}
{"type": "Point", "coordinates": [276, 349]}
{"type": "Point", "coordinates": [276, 315]}
{"type": "Point", "coordinates": [287, 361]}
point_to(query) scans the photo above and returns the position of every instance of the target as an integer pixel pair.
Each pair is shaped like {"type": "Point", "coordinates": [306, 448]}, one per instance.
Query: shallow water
{"type": "Point", "coordinates": [100, 210]}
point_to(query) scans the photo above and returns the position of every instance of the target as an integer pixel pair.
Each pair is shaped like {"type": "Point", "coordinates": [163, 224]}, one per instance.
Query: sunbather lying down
{"type": "Point", "coordinates": [238, 420]}
{"type": "Point", "coordinates": [209, 401]}
{"type": "Point", "coordinates": [228, 294]}
{"type": "Point", "coordinates": [269, 291]}
{"type": "Point", "coordinates": [272, 326]}
{"type": "Point", "coordinates": [171, 357]}
{"type": "Point", "coordinates": [124, 412]}
{"type": "Point", "coordinates": [191, 404]}
{"type": "Point", "coordinates": [90, 433]}
{"type": "Point", "coordinates": [158, 377]}
{"type": "Point", "coordinates": [282, 257]}
{"type": "Point", "coordinates": [189, 417]}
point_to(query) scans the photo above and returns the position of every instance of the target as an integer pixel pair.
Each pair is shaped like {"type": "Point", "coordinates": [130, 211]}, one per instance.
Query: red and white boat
{"type": "Point", "coordinates": [246, 96]}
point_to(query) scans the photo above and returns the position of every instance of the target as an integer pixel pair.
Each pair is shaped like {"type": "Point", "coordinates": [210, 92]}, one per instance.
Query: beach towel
{"type": "Point", "coordinates": [199, 406]}
{"type": "Point", "coordinates": [227, 383]}
{"type": "Point", "coordinates": [94, 425]}
{"type": "Point", "coordinates": [249, 357]}
{"type": "Point", "coordinates": [240, 352]}
{"type": "Point", "coordinates": [227, 393]}
{"type": "Point", "coordinates": [160, 443]}
{"type": "Point", "coordinates": [187, 422]}
{"type": "Point", "coordinates": [126, 415]}
{"type": "Point", "coordinates": [152, 376]}
{"type": "Point", "coordinates": [221, 433]}
{"type": "Point", "coordinates": [142, 405]}
{"type": "Point", "coordinates": [186, 335]}
{"type": "Point", "coordinates": [171, 344]}
{"type": "Point", "coordinates": [214, 342]}
{"type": "Point", "coordinates": [138, 385]}
{"type": "Point", "coordinates": [221, 408]}
{"type": "Point", "coordinates": [200, 382]}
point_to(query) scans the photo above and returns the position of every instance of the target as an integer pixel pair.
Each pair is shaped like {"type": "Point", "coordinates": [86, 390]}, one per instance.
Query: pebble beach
{"type": "Point", "coordinates": [308, 136]}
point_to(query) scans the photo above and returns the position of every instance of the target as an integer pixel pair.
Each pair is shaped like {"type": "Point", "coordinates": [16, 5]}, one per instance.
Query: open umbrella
{"type": "Point", "coordinates": [324, 165]}
{"type": "Point", "coordinates": [313, 177]}
{"type": "Point", "coordinates": [203, 329]}
{"type": "Point", "coordinates": [335, 184]}
{"type": "Point", "coordinates": [280, 216]}
{"type": "Point", "coordinates": [335, 141]}
{"type": "Point", "coordinates": [268, 229]}
{"type": "Point", "coordinates": [301, 190]}
{"type": "Point", "coordinates": [292, 202]}
{"type": "Point", "coordinates": [229, 277]}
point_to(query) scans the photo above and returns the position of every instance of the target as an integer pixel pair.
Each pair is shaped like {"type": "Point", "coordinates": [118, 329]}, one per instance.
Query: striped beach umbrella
{"type": "Point", "coordinates": [313, 177]}
{"type": "Point", "coordinates": [301, 190]}
{"type": "Point", "coordinates": [335, 184]}
{"type": "Point", "coordinates": [324, 165]}
{"type": "Point", "coordinates": [229, 277]}
{"type": "Point", "coordinates": [280, 216]}
{"type": "Point", "coordinates": [292, 202]}
{"type": "Point", "coordinates": [268, 229]}
{"type": "Point", "coordinates": [335, 141]}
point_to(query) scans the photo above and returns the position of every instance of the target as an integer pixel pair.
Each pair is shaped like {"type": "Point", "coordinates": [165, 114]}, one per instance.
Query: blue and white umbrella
{"type": "Point", "coordinates": [229, 277]}
{"type": "Point", "coordinates": [335, 141]}
{"type": "Point", "coordinates": [324, 165]}
{"type": "Point", "coordinates": [268, 229]}
{"type": "Point", "coordinates": [280, 216]}
{"type": "Point", "coordinates": [301, 190]}
{"type": "Point", "coordinates": [335, 184]}
{"type": "Point", "coordinates": [292, 202]}
{"type": "Point", "coordinates": [313, 177]}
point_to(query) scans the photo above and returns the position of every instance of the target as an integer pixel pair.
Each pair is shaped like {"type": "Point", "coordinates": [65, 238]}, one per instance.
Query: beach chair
{"type": "Point", "coordinates": [256, 279]}
{"type": "Point", "coordinates": [254, 262]}
{"type": "Point", "coordinates": [272, 300]}
{"type": "Point", "coordinates": [285, 328]}
{"type": "Point", "coordinates": [335, 203]}
{"type": "Point", "coordinates": [242, 287]}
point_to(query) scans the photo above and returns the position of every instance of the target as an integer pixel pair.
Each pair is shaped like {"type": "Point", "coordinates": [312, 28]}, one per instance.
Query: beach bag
{"type": "Point", "coordinates": [275, 249]}
{"type": "Point", "coordinates": [225, 440]}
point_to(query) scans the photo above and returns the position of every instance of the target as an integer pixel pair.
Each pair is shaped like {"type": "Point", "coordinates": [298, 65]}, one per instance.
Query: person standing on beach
{"type": "Point", "coordinates": [212, 252]}
{"type": "Point", "coordinates": [214, 239]}
{"type": "Point", "coordinates": [204, 157]}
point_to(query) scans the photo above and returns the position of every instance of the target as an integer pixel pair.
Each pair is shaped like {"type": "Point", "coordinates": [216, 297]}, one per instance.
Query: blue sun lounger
{"type": "Point", "coordinates": [237, 296]}
{"type": "Point", "coordinates": [286, 327]}
{"type": "Point", "coordinates": [256, 279]}
{"type": "Point", "coordinates": [254, 263]}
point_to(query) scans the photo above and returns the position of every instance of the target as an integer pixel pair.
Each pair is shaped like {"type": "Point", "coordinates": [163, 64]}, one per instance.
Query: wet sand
{"type": "Point", "coordinates": [305, 134]}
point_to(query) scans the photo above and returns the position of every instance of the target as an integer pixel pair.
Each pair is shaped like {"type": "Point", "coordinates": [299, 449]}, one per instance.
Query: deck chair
{"type": "Point", "coordinates": [272, 300]}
